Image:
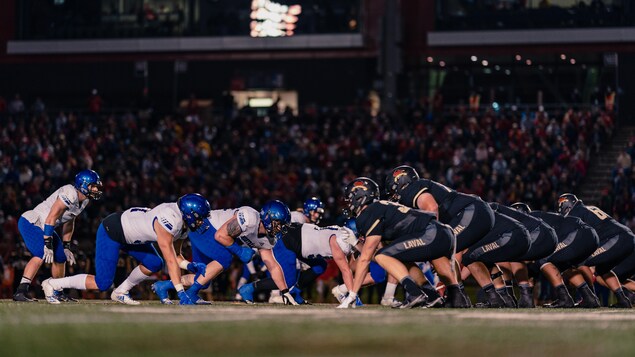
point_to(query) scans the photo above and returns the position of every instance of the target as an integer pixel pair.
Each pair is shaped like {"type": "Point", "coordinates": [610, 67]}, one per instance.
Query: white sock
{"type": "Point", "coordinates": [251, 267]}
{"type": "Point", "coordinates": [389, 293]}
{"type": "Point", "coordinates": [342, 289]}
{"type": "Point", "coordinates": [135, 277]}
{"type": "Point", "coordinates": [70, 282]}
{"type": "Point", "coordinates": [275, 292]}
{"type": "Point", "coordinates": [25, 280]}
{"type": "Point", "coordinates": [242, 281]}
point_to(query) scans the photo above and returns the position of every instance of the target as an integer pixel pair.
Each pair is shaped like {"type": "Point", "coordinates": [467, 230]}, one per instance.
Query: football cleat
{"type": "Point", "coordinates": [339, 296]}
{"type": "Point", "coordinates": [588, 304]}
{"type": "Point", "coordinates": [622, 301]}
{"type": "Point", "coordinates": [161, 289]}
{"type": "Point", "coordinates": [559, 304]}
{"type": "Point", "coordinates": [22, 297]}
{"type": "Point", "coordinates": [391, 302]}
{"type": "Point", "coordinates": [416, 301]}
{"type": "Point", "coordinates": [526, 302]}
{"type": "Point", "coordinates": [275, 297]}
{"type": "Point", "coordinates": [438, 302]}
{"type": "Point", "coordinates": [63, 297]}
{"type": "Point", "coordinates": [629, 294]}
{"type": "Point", "coordinates": [49, 292]}
{"type": "Point", "coordinates": [197, 300]}
{"type": "Point", "coordinates": [123, 298]}
{"type": "Point", "coordinates": [247, 293]}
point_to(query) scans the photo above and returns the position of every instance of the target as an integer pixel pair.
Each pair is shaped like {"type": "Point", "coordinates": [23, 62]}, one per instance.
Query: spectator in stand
{"type": "Point", "coordinates": [95, 102]}
{"type": "Point", "coordinates": [16, 106]}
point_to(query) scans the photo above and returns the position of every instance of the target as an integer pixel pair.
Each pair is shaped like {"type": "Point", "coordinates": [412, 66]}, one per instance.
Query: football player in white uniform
{"type": "Point", "coordinates": [312, 212]}
{"type": "Point", "coordinates": [134, 231]}
{"type": "Point", "coordinates": [37, 228]}
{"type": "Point", "coordinates": [212, 255]}
{"type": "Point", "coordinates": [310, 244]}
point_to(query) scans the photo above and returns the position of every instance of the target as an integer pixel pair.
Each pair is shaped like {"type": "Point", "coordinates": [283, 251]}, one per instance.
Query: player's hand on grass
{"type": "Point", "coordinates": [349, 301]}
{"type": "Point", "coordinates": [287, 298]}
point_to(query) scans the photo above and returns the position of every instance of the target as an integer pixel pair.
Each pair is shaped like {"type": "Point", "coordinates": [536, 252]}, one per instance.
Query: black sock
{"type": "Point", "coordinates": [430, 290]}
{"type": "Point", "coordinates": [509, 285]}
{"type": "Point", "coordinates": [411, 287]}
{"type": "Point", "coordinates": [266, 284]}
{"type": "Point", "coordinates": [585, 291]}
{"type": "Point", "coordinates": [526, 289]}
{"type": "Point", "coordinates": [562, 292]}
{"type": "Point", "coordinates": [23, 288]}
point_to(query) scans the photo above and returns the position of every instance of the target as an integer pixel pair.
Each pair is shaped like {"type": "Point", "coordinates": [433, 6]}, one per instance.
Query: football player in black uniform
{"type": "Point", "coordinates": [576, 242]}
{"type": "Point", "coordinates": [470, 218]}
{"type": "Point", "coordinates": [408, 235]}
{"type": "Point", "coordinates": [613, 259]}
{"type": "Point", "coordinates": [543, 242]}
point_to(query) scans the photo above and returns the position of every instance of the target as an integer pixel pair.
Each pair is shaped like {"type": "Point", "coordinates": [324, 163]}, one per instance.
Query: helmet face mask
{"type": "Point", "coordinates": [566, 202]}
{"type": "Point", "coordinates": [275, 217]}
{"type": "Point", "coordinates": [358, 194]}
{"type": "Point", "coordinates": [194, 210]}
{"type": "Point", "coordinates": [89, 184]}
{"type": "Point", "coordinates": [398, 179]}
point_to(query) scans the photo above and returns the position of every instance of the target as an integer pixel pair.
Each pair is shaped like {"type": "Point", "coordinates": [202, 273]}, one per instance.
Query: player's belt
{"type": "Point", "coordinates": [113, 226]}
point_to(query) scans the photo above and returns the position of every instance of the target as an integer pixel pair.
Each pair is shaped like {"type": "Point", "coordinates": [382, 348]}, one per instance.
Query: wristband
{"type": "Point", "coordinates": [183, 264]}
{"type": "Point", "coordinates": [48, 230]}
{"type": "Point", "coordinates": [178, 287]}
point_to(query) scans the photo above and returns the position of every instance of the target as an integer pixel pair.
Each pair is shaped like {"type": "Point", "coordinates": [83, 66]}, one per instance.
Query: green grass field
{"type": "Point", "coordinates": [99, 328]}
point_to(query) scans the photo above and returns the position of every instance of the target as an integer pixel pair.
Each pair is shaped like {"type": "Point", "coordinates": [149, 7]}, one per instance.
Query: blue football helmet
{"type": "Point", "coordinates": [195, 209]}
{"type": "Point", "coordinates": [85, 180]}
{"type": "Point", "coordinates": [276, 217]}
{"type": "Point", "coordinates": [351, 224]}
{"type": "Point", "coordinates": [314, 204]}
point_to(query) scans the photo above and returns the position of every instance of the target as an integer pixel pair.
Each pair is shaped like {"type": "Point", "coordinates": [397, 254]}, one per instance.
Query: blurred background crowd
{"type": "Point", "coordinates": [240, 159]}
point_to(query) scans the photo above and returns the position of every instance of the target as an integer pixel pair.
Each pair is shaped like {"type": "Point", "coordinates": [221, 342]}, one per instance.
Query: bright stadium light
{"type": "Point", "coordinates": [474, 58]}
{"type": "Point", "coordinates": [518, 57]}
{"type": "Point", "coordinates": [484, 63]}
{"type": "Point", "coordinates": [271, 19]}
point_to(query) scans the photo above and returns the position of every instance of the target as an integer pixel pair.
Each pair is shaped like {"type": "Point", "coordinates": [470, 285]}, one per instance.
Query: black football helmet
{"type": "Point", "coordinates": [359, 193]}
{"type": "Point", "coordinates": [566, 201]}
{"type": "Point", "coordinates": [521, 206]}
{"type": "Point", "coordinates": [398, 179]}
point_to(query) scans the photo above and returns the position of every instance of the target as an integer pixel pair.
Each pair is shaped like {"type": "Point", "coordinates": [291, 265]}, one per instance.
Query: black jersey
{"type": "Point", "coordinates": [292, 238]}
{"type": "Point", "coordinates": [528, 221]}
{"type": "Point", "coordinates": [604, 225]}
{"type": "Point", "coordinates": [450, 201]}
{"type": "Point", "coordinates": [391, 220]}
{"type": "Point", "coordinates": [562, 225]}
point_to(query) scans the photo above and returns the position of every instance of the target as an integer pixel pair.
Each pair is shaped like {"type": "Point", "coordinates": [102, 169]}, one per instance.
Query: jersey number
{"type": "Point", "coordinates": [598, 212]}
{"type": "Point", "coordinates": [400, 207]}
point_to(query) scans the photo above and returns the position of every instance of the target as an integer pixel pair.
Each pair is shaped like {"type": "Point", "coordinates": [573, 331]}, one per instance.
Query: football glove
{"type": "Point", "coordinates": [68, 252]}
{"type": "Point", "coordinates": [287, 298]}
{"type": "Point", "coordinates": [349, 301]}
{"type": "Point", "coordinates": [48, 250]}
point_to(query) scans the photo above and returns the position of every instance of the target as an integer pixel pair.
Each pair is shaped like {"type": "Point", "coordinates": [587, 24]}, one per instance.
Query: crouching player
{"type": "Point", "coordinates": [37, 228]}
{"type": "Point", "coordinates": [209, 256]}
{"type": "Point", "coordinates": [311, 245]}
{"type": "Point", "coordinates": [134, 231]}
{"type": "Point", "coordinates": [411, 236]}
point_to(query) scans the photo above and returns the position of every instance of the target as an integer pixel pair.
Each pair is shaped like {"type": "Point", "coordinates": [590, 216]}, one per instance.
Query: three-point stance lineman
{"type": "Point", "coordinates": [134, 231]}
{"type": "Point", "coordinates": [37, 228]}
{"type": "Point", "coordinates": [411, 236]}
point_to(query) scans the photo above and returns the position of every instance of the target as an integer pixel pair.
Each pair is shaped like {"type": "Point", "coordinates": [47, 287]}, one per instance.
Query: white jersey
{"type": "Point", "coordinates": [68, 195]}
{"type": "Point", "coordinates": [138, 223]}
{"type": "Point", "coordinates": [249, 222]}
{"type": "Point", "coordinates": [299, 217]}
{"type": "Point", "coordinates": [315, 240]}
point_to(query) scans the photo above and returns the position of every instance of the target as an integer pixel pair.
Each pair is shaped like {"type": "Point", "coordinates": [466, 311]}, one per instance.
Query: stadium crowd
{"type": "Point", "coordinates": [241, 159]}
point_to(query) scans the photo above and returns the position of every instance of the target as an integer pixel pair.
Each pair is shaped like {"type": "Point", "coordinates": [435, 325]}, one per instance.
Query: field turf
{"type": "Point", "coordinates": [104, 328]}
